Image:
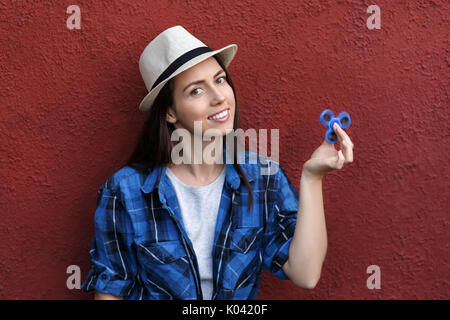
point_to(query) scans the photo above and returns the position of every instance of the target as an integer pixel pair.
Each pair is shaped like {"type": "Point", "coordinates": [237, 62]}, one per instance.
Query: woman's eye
{"type": "Point", "coordinates": [194, 91]}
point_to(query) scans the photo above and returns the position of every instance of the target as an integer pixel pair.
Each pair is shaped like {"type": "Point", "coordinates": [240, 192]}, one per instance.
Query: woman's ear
{"type": "Point", "coordinates": [170, 115]}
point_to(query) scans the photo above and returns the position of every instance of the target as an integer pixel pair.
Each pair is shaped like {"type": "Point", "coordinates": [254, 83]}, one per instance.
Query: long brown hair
{"type": "Point", "coordinates": [154, 146]}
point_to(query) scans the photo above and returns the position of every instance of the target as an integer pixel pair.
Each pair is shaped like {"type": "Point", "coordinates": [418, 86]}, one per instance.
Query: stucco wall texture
{"type": "Point", "coordinates": [69, 119]}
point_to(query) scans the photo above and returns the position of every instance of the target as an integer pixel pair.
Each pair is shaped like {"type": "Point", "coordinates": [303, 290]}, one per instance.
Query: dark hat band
{"type": "Point", "coordinates": [179, 62]}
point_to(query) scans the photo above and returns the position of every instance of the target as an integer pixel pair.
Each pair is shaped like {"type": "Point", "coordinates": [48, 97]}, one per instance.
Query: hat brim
{"type": "Point", "coordinates": [225, 54]}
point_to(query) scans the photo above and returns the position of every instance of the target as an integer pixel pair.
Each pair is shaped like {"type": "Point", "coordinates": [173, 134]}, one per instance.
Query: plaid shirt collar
{"type": "Point", "coordinates": [158, 177]}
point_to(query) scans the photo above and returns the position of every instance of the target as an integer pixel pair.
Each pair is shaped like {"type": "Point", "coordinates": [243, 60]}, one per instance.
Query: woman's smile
{"type": "Point", "coordinates": [221, 116]}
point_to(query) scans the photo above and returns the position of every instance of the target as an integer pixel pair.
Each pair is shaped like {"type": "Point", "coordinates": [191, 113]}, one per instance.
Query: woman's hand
{"type": "Point", "coordinates": [105, 296]}
{"type": "Point", "coordinates": [326, 158]}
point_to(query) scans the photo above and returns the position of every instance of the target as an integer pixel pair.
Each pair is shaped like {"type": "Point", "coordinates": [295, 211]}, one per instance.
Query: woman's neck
{"type": "Point", "coordinates": [204, 169]}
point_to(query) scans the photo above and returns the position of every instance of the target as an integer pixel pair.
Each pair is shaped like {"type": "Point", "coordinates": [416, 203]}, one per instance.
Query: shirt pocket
{"type": "Point", "coordinates": [244, 259]}
{"type": "Point", "coordinates": [166, 270]}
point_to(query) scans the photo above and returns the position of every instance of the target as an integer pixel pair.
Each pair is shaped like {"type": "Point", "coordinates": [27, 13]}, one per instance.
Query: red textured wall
{"type": "Point", "coordinates": [69, 119]}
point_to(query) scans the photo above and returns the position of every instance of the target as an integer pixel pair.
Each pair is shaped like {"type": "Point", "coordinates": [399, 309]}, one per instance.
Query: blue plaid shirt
{"type": "Point", "coordinates": [141, 250]}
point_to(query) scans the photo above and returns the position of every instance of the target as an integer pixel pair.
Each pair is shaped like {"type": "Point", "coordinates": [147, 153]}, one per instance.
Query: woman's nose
{"type": "Point", "coordinates": [217, 96]}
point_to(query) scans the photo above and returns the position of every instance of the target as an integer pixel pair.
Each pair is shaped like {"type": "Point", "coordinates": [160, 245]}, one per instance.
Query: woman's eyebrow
{"type": "Point", "coordinates": [201, 81]}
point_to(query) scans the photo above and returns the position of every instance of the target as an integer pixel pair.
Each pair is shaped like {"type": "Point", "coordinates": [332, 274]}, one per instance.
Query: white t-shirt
{"type": "Point", "coordinates": [199, 207]}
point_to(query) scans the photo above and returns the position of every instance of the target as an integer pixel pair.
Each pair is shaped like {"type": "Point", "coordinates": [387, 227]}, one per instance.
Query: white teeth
{"type": "Point", "coordinates": [219, 116]}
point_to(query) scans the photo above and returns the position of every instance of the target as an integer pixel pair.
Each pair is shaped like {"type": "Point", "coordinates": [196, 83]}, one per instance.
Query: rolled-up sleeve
{"type": "Point", "coordinates": [282, 217]}
{"type": "Point", "coordinates": [113, 263]}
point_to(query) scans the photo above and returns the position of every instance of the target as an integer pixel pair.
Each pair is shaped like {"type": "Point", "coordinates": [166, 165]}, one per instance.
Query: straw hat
{"type": "Point", "coordinates": [171, 52]}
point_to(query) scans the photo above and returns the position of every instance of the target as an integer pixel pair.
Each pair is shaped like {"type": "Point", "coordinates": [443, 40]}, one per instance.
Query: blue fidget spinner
{"type": "Point", "coordinates": [327, 119]}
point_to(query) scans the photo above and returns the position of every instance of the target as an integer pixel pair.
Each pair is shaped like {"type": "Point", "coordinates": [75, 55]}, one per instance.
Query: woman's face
{"type": "Point", "coordinates": [201, 93]}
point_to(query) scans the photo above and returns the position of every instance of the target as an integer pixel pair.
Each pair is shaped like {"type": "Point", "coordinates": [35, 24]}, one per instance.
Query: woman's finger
{"type": "Point", "coordinates": [336, 162]}
{"type": "Point", "coordinates": [345, 142]}
{"type": "Point", "coordinates": [342, 135]}
{"type": "Point", "coordinates": [340, 161]}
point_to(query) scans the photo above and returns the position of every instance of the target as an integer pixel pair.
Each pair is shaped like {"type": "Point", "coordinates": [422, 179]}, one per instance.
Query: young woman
{"type": "Point", "coordinates": [202, 230]}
